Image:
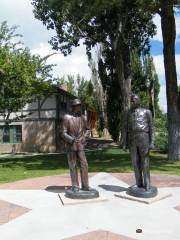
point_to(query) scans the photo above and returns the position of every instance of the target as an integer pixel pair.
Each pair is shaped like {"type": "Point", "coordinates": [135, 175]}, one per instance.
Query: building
{"type": "Point", "coordinates": [37, 125]}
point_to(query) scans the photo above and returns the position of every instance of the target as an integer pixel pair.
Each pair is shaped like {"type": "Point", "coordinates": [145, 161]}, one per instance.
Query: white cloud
{"type": "Point", "coordinates": [162, 98]}
{"type": "Point", "coordinates": [42, 49]}
{"type": "Point", "coordinates": [159, 65]}
{"type": "Point", "coordinates": [13, 5]}
{"type": "Point", "coordinates": [36, 36]}
{"type": "Point", "coordinates": [76, 63]}
{"type": "Point", "coordinates": [20, 13]}
{"type": "Point", "coordinates": [157, 21]}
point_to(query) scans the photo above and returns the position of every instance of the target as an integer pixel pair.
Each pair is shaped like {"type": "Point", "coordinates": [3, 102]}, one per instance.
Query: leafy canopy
{"type": "Point", "coordinates": [23, 77]}
{"type": "Point", "coordinates": [94, 21]}
{"type": "Point", "coordinates": [118, 26]}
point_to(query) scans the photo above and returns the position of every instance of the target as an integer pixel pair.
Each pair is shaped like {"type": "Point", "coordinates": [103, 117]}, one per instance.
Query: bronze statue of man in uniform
{"type": "Point", "coordinates": [74, 131]}
{"type": "Point", "coordinates": [139, 140]}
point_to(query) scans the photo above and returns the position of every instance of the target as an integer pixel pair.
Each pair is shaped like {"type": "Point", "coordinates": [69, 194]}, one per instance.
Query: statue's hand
{"type": "Point", "coordinates": [88, 133]}
{"type": "Point", "coordinates": [77, 140]}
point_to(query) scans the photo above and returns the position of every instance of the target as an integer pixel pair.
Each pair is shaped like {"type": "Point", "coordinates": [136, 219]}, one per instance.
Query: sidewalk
{"type": "Point", "coordinates": [31, 210]}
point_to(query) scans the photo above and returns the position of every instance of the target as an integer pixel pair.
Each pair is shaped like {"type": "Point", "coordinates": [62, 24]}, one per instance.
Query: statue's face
{"type": "Point", "coordinates": [135, 101]}
{"type": "Point", "coordinates": [76, 108]}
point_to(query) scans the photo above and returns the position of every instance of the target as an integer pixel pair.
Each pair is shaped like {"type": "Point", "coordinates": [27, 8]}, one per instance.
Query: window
{"type": "Point", "coordinates": [11, 134]}
{"type": "Point", "coordinates": [63, 102]}
{"type": "Point", "coordinates": [6, 134]}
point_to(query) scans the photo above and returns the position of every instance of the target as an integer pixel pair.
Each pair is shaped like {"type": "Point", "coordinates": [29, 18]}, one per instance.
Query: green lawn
{"type": "Point", "coordinates": [14, 168]}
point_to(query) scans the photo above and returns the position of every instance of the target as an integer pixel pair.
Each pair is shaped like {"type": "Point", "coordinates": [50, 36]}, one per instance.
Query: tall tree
{"type": "Point", "coordinates": [173, 109]}
{"type": "Point", "coordinates": [118, 25]}
{"type": "Point", "coordinates": [139, 82]}
{"type": "Point", "coordinates": [152, 84]}
{"type": "Point", "coordinates": [101, 95]}
{"type": "Point", "coordinates": [145, 81]}
{"type": "Point", "coordinates": [165, 8]}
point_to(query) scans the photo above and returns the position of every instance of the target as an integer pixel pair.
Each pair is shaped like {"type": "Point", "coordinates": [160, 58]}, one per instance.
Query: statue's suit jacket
{"type": "Point", "coordinates": [74, 127]}
{"type": "Point", "coordinates": [138, 121]}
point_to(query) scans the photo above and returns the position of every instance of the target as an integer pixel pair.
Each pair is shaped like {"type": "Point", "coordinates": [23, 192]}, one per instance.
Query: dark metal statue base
{"type": "Point", "coordinates": [81, 194]}
{"type": "Point", "coordinates": [136, 191]}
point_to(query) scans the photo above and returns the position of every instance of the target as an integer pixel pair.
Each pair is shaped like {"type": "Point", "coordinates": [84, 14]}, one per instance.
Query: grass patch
{"type": "Point", "coordinates": [116, 160]}
{"type": "Point", "coordinates": [17, 168]}
{"type": "Point", "coordinates": [14, 168]}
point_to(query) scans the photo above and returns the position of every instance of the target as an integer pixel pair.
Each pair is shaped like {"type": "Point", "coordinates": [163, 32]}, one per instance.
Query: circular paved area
{"type": "Point", "coordinates": [64, 180]}
{"type": "Point", "coordinates": [30, 209]}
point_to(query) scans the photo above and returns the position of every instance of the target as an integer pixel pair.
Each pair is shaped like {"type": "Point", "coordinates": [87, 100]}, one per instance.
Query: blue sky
{"type": "Point", "coordinates": [36, 36]}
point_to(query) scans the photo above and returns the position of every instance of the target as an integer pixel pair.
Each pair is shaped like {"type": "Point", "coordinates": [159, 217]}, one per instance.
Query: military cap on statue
{"type": "Point", "coordinates": [76, 102]}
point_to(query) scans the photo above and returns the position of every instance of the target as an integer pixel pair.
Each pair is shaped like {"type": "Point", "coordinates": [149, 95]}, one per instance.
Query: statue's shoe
{"type": "Point", "coordinates": [85, 193]}
{"type": "Point", "coordinates": [87, 188]}
{"type": "Point", "coordinates": [75, 189]}
{"type": "Point", "coordinates": [142, 192]}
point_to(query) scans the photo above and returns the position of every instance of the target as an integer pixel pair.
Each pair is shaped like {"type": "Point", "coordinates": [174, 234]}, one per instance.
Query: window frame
{"type": "Point", "coordinates": [15, 134]}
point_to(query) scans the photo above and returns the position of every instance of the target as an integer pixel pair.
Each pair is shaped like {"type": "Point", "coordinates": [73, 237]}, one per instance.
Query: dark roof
{"type": "Point", "coordinates": [59, 89]}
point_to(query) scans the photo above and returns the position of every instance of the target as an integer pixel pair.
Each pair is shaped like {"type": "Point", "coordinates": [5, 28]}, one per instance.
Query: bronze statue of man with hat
{"type": "Point", "coordinates": [74, 129]}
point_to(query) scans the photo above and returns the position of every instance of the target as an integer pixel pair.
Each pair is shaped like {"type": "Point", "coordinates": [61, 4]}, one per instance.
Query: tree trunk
{"type": "Point", "coordinates": [122, 65]}
{"type": "Point", "coordinates": [169, 36]}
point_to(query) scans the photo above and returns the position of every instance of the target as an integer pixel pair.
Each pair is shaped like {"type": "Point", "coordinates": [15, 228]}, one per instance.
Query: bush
{"type": "Point", "coordinates": [161, 141]}
{"type": "Point", "coordinates": [161, 133]}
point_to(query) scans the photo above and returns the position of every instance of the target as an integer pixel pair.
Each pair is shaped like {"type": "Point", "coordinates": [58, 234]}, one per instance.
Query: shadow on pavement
{"type": "Point", "coordinates": [113, 188]}
{"type": "Point", "coordinates": [57, 189]}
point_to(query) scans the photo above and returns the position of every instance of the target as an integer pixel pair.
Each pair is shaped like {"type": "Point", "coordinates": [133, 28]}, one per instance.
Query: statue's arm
{"type": "Point", "coordinates": [151, 129]}
{"type": "Point", "coordinates": [67, 138]}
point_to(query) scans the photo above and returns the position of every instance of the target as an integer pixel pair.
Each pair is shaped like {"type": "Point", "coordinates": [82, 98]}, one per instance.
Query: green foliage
{"type": "Point", "coordinates": [23, 77]}
{"type": "Point", "coordinates": [145, 81]}
{"type": "Point", "coordinates": [94, 21]}
{"type": "Point", "coordinates": [152, 83]}
{"type": "Point", "coordinates": [98, 22]}
{"type": "Point", "coordinates": [7, 35]}
{"type": "Point", "coordinates": [139, 78]}
{"type": "Point", "coordinates": [161, 132]}
{"type": "Point", "coordinates": [71, 84]}
{"type": "Point", "coordinates": [82, 89]}
{"type": "Point", "coordinates": [87, 94]}
{"type": "Point", "coordinates": [100, 126]}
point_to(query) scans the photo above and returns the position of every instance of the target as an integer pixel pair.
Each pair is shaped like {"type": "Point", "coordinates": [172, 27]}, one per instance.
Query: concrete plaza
{"type": "Point", "coordinates": [31, 210]}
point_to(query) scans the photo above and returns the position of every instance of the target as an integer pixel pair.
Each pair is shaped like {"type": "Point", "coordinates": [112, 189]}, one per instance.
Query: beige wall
{"type": "Point", "coordinates": [10, 148]}
{"type": "Point", "coordinates": [37, 136]}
